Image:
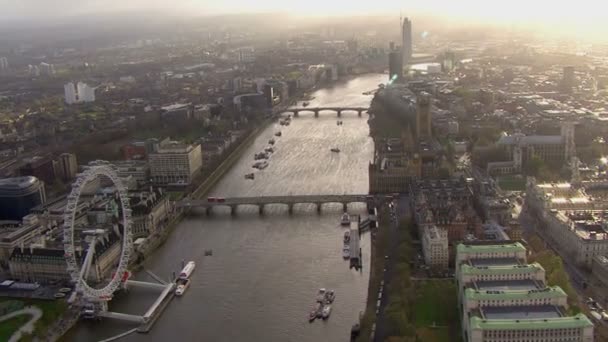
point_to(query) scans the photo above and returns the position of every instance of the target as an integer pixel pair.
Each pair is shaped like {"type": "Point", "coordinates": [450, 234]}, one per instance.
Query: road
{"type": "Point", "coordinates": [397, 213]}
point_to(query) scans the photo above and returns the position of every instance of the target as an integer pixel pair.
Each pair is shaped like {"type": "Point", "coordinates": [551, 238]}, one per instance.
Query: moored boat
{"type": "Point", "coordinates": [345, 221]}
{"type": "Point", "coordinates": [335, 149]}
{"type": "Point", "coordinates": [321, 295]}
{"type": "Point", "coordinates": [250, 176]}
{"type": "Point", "coordinates": [326, 311]}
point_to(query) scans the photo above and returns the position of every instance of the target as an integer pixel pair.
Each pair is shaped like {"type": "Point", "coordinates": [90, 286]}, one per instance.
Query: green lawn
{"type": "Point", "coordinates": [512, 183]}
{"type": "Point", "coordinates": [8, 327]}
{"type": "Point", "coordinates": [436, 311]}
{"type": "Point", "coordinates": [435, 303]}
{"type": "Point", "coordinates": [51, 310]}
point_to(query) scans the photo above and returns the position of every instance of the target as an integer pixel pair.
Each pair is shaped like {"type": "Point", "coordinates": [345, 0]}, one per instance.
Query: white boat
{"type": "Point", "coordinates": [346, 252]}
{"type": "Point", "coordinates": [345, 221]}
{"type": "Point", "coordinates": [182, 286]}
{"type": "Point", "coordinates": [335, 149]}
{"type": "Point", "coordinates": [187, 271]}
{"type": "Point", "coordinates": [321, 295]}
{"type": "Point", "coordinates": [326, 311]}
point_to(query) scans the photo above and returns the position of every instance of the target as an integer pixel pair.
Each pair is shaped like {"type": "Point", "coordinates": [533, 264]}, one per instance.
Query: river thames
{"type": "Point", "coordinates": [261, 281]}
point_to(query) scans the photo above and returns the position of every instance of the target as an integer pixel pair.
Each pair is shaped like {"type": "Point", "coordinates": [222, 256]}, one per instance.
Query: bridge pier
{"type": "Point", "coordinates": [344, 206]}
{"type": "Point", "coordinates": [296, 113]}
{"type": "Point", "coordinates": [339, 113]}
{"type": "Point", "coordinates": [208, 210]}
{"type": "Point", "coordinates": [319, 206]}
{"type": "Point", "coordinates": [360, 113]}
{"type": "Point", "coordinates": [316, 113]}
{"type": "Point", "coordinates": [290, 208]}
{"type": "Point", "coordinates": [261, 209]}
{"type": "Point", "coordinates": [233, 209]}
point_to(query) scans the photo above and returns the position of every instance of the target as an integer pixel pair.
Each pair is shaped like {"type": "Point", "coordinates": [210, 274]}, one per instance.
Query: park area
{"type": "Point", "coordinates": [436, 310]}
{"type": "Point", "coordinates": [51, 311]}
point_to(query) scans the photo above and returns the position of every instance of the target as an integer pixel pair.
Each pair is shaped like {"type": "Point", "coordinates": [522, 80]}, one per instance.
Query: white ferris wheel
{"type": "Point", "coordinates": [78, 272]}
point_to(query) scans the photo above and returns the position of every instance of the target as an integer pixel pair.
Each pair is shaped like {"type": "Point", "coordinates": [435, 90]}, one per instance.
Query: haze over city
{"type": "Point", "coordinates": [388, 171]}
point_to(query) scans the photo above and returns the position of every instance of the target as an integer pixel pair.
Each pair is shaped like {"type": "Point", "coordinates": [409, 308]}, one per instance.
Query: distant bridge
{"type": "Point", "coordinates": [261, 201]}
{"type": "Point", "coordinates": [316, 110]}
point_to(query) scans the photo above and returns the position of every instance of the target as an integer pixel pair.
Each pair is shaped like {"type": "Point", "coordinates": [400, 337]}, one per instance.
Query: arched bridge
{"type": "Point", "coordinates": [317, 110]}
{"type": "Point", "coordinates": [261, 201]}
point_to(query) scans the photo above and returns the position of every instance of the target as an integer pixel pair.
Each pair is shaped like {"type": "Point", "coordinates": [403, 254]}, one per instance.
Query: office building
{"type": "Point", "coordinates": [435, 247]}
{"type": "Point", "coordinates": [502, 298]}
{"type": "Point", "coordinates": [3, 65]}
{"type": "Point", "coordinates": [19, 195]}
{"type": "Point", "coordinates": [175, 164]}
{"type": "Point", "coordinates": [70, 93]}
{"type": "Point", "coordinates": [150, 211]}
{"type": "Point", "coordinates": [406, 40]}
{"type": "Point", "coordinates": [46, 264]}
{"type": "Point", "coordinates": [33, 70]}
{"type": "Point", "coordinates": [423, 117]}
{"type": "Point", "coordinates": [46, 69]}
{"type": "Point", "coordinates": [41, 167]}
{"type": "Point", "coordinates": [568, 80]}
{"type": "Point", "coordinates": [67, 167]}
{"type": "Point", "coordinates": [395, 66]}
{"type": "Point", "coordinates": [246, 55]}
{"type": "Point", "coordinates": [85, 92]}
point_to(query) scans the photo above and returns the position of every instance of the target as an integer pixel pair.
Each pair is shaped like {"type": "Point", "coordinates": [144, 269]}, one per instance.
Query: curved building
{"type": "Point", "coordinates": [19, 195]}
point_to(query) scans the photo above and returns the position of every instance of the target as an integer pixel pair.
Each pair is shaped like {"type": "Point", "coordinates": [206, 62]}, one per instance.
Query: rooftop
{"type": "Point", "coordinates": [516, 269]}
{"type": "Point", "coordinates": [578, 321]}
{"type": "Point", "coordinates": [548, 292]}
{"type": "Point", "coordinates": [521, 312]}
{"type": "Point", "coordinates": [493, 262]}
{"type": "Point", "coordinates": [499, 248]}
{"type": "Point", "coordinates": [531, 140]}
{"type": "Point", "coordinates": [18, 182]}
{"type": "Point", "coordinates": [507, 285]}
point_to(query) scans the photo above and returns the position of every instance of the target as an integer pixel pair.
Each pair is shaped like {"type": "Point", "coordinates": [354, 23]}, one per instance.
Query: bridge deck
{"type": "Point", "coordinates": [263, 200]}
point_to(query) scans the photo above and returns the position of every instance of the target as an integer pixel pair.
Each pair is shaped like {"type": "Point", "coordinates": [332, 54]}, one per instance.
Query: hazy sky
{"type": "Point", "coordinates": [502, 10]}
{"type": "Point", "coordinates": [565, 15]}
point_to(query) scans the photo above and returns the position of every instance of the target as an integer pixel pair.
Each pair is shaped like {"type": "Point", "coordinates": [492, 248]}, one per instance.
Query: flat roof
{"type": "Point", "coordinates": [493, 262]}
{"type": "Point", "coordinates": [571, 322]}
{"type": "Point", "coordinates": [549, 292]}
{"type": "Point", "coordinates": [521, 312]}
{"type": "Point", "coordinates": [507, 285]}
{"type": "Point", "coordinates": [505, 247]}
{"type": "Point", "coordinates": [517, 269]}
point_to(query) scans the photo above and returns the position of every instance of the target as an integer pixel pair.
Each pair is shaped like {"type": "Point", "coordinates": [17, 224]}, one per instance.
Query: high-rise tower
{"type": "Point", "coordinates": [406, 40]}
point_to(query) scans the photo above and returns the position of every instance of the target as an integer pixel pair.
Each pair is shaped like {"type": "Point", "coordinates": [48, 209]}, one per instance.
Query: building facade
{"type": "Point", "coordinates": [175, 164]}
{"type": "Point", "coordinates": [435, 248]}
{"type": "Point", "coordinates": [19, 195]}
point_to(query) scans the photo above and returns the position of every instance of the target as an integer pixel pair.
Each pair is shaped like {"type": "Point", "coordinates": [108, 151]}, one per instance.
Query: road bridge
{"type": "Point", "coordinates": [261, 201]}
{"type": "Point", "coordinates": [317, 110]}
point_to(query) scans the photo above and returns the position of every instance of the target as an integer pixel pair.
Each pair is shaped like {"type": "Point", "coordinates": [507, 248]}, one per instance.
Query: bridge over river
{"type": "Point", "coordinates": [261, 201]}
{"type": "Point", "coordinates": [316, 110]}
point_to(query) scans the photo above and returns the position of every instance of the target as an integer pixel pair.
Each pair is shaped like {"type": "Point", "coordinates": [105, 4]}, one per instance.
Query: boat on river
{"type": "Point", "coordinates": [326, 311]}
{"type": "Point", "coordinates": [187, 270]}
{"type": "Point", "coordinates": [321, 295]}
{"type": "Point", "coordinates": [345, 220]}
{"type": "Point", "coordinates": [182, 286]}
{"type": "Point", "coordinates": [271, 141]}
{"type": "Point", "coordinates": [278, 134]}
{"type": "Point", "coordinates": [335, 150]}
{"type": "Point", "coordinates": [250, 176]}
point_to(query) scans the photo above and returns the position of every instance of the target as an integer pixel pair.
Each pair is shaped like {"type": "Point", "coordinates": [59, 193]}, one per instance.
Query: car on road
{"type": "Point", "coordinates": [211, 199]}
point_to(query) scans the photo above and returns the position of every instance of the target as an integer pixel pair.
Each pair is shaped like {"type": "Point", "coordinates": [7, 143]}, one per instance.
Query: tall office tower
{"type": "Point", "coordinates": [568, 81]}
{"type": "Point", "coordinates": [391, 46]}
{"type": "Point", "coordinates": [395, 66]}
{"type": "Point", "coordinates": [67, 167]}
{"type": "Point", "coordinates": [423, 116]}
{"type": "Point", "coordinates": [3, 65]}
{"type": "Point", "coordinates": [85, 93]}
{"type": "Point", "coordinates": [406, 40]}
{"type": "Point", "coordinates": [70, 93]}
